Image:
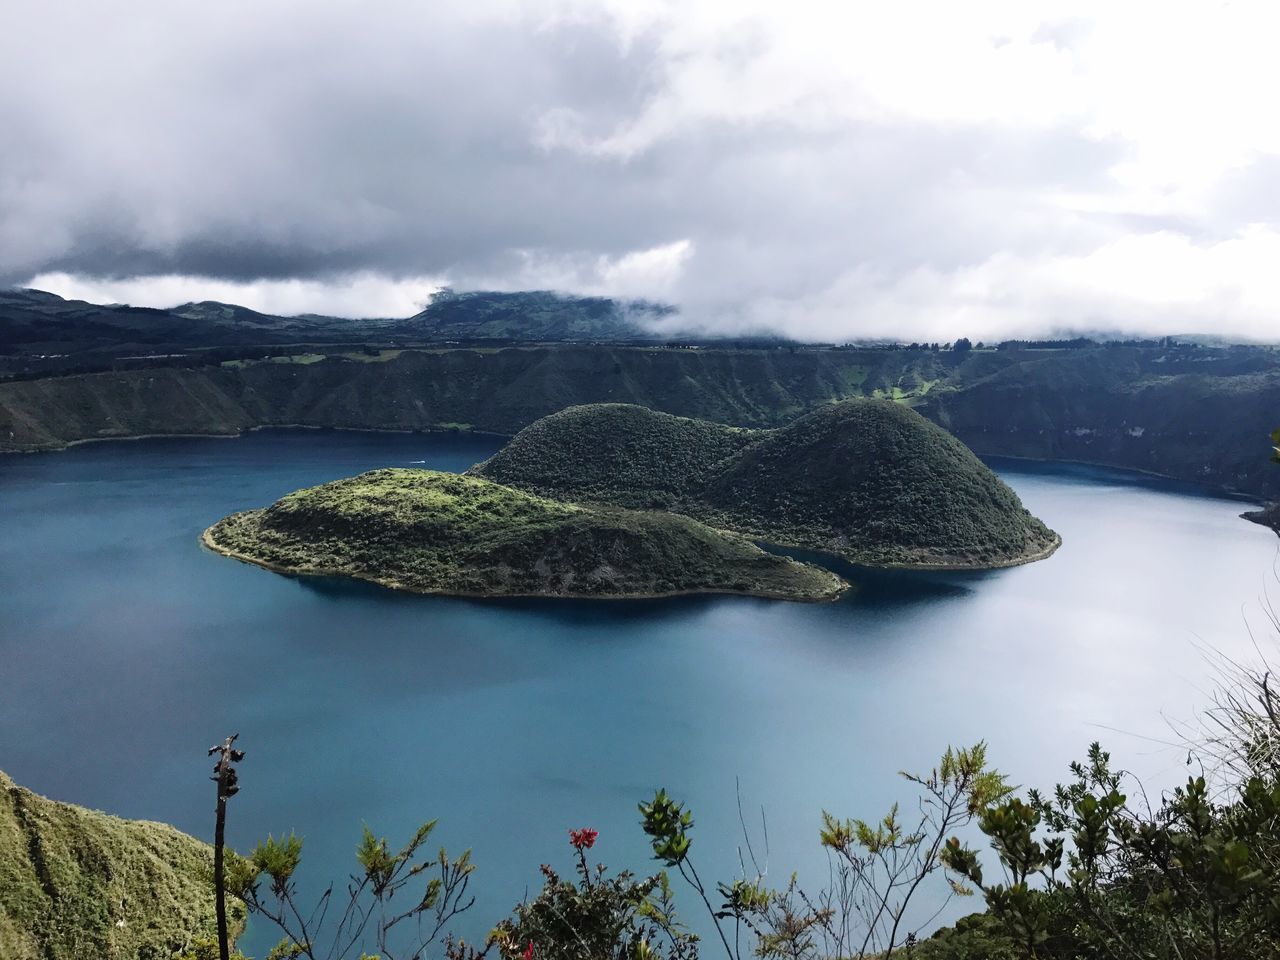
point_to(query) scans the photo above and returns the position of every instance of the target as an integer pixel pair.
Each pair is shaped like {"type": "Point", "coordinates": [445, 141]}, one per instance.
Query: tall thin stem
{"type": "Point", "coordinates": [224, 774]}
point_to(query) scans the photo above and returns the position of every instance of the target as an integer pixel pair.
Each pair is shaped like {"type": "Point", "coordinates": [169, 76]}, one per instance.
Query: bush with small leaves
{"type": "Point", "coordinates": [598, 917]}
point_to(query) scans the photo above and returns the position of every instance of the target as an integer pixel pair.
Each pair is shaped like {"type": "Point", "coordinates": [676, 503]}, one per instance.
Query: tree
{"type": "Point", "coordinates": [963, 345]}
{"type": "Point", "coordinates": [1190, 878]}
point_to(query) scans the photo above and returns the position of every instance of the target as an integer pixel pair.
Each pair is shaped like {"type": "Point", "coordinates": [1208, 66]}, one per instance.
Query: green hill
{"type": "Point", "coordinates": [616, 453]}
{"type": "Point", "coordinates": [875, 482]}
{"type": "Point", "coordinates": [76, 884]}
{"type": "Point", "coordinates": [868, 480]}
{"type": "Point", "coordinates": [431, 532]}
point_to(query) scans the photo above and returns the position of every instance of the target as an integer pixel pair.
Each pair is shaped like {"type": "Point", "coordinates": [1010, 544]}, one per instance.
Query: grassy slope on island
{"type": "Point", "coordinates": [616, 453]}
{"type": "Point", "coordinates": [75, 883]}
{"type": "Point", "coordinates": [433, 532]}
{"type": "Point", "coordinates": [868, 480]}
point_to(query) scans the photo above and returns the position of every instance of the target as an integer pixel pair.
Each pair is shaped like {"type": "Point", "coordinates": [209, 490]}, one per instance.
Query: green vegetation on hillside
{"type": "Point", "coordinates": [433, 532]}
{"type": "Point", "coordinates": [875, 482]}
{"type": "Point", "coordinates": [76, 884]}
{"type": "Point", "coordinates": [1191, 415]}
{"type": "Point", "coordinates": [870, 481]}
{"type": "Point", "coordinates": [616, 453]}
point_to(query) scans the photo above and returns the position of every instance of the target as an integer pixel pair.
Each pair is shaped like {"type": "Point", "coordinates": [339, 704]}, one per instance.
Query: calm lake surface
{"type": "Point", "coordinates": [126, 650]}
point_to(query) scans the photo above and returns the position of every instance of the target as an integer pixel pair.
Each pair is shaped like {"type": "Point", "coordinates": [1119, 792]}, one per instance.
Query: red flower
{"type": "Point", "coordinates": [583, 839]}
{"type": "Point", "coordinates": [528, 951]}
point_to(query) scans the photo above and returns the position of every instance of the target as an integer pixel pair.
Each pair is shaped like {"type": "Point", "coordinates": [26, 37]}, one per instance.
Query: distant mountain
{"type": "Point", "coordinates": [41, 332]}
{"type": "Point", "coordinates": [227, 314]}
{"type": "Point", "coordinates": [45, 322]}
{"type": "Point", "coordinates": [535, 315]}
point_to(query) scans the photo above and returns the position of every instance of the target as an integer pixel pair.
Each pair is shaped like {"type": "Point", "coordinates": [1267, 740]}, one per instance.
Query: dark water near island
{"type": "Point", "coordinates": [126, 650]}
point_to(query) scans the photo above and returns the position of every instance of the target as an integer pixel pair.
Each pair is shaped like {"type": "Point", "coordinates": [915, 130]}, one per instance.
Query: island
{"type": "Point", "coordinates": [870, 481]}
{"type": "Point", "coordinates": [441, 533]}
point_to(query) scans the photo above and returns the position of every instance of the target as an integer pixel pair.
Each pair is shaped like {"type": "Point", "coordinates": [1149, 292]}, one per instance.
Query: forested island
{"type": "Point", "coordinates": [619, 501]}
{"type": "Point", "coordinates": [869, 481]}
{"type": "Point", "coordinates": [431, 532]}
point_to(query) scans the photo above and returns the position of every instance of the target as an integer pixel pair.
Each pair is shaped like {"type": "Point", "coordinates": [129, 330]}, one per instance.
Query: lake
{"type": "Point", "coordinates": [127, 650]}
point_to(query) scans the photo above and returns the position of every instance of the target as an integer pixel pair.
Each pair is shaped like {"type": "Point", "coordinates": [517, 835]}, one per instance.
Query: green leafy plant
{"type": "Point", "coordinates": [598, 917]}
{"type": "Point", "coordinates": [879, 869]}
{"type": "Point", "coordinates": [1086, 872]}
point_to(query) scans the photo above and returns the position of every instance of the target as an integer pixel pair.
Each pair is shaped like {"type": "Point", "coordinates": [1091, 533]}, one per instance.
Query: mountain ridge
{"type": "Point", "coordinates": [1199, 415]}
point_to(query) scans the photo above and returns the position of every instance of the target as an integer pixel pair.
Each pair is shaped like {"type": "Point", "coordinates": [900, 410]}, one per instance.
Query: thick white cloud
{"type": "Point", "coordinates": [826, 170]}
{"type": "Point", "coordinates": [1141, 284]}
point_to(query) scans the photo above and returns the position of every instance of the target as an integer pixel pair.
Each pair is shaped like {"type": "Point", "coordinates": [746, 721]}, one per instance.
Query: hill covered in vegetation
{"type": "Point", "coordinates": [867, 480]}
{"type": "Point", "coordinates": [617, 453]}
{"type": "Point", "coordinates": [431, 532]}
{"type": "Point", "coordinates": [75, 883]}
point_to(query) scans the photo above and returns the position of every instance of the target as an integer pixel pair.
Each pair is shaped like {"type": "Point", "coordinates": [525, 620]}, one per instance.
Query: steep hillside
{"type": "Point", "coordinates": [497, 390]}
{"type": "Point", "coordinates": [868, 480]}
{"type": "Point", "coordinates": [76, 884]}
{"type": "Point", "coordinates": [432, 532]}
{"type": "Point", "coordinates": [1199, 415]}
{"type": "Point", "coordinates": [1202, 416]}
{"type": "Point", "coordinates": [615, 453]}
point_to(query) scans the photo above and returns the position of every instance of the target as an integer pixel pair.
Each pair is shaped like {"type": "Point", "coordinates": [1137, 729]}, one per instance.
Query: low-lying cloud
{"type": "Point", "coordinates": [914, 170]}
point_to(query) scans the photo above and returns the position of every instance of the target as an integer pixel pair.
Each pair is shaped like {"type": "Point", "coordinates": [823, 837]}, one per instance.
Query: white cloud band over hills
{"type": "Point", "coordinates": [826, 171]}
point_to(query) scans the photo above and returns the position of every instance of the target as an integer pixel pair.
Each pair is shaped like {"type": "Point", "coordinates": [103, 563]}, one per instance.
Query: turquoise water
{"type": "Point", "coordinates": [127, 650]}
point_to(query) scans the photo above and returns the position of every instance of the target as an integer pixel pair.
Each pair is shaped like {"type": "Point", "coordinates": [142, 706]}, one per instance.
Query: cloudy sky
{"type": "Point", "coordinates": [827, 170]}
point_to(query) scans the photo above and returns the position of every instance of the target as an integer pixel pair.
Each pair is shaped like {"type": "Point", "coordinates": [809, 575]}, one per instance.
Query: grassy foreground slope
{"type": "Point", "coordinates": [75, 883]}
{"type": "Point", "coordinates": [868, 480]}
{"type": "Point", "coordinates": [432, 532]}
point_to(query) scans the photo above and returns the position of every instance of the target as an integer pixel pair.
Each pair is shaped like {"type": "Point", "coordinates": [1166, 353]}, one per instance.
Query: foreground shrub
{"type": "Point", "coordinates": [596, 917]}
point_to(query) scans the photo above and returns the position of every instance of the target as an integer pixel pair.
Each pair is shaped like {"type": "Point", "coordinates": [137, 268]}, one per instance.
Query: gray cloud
{"type": "Point", "coordinates": [749, 182]}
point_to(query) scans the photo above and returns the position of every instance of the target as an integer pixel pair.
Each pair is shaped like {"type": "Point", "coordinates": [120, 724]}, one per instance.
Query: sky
{"type": "Point", "coordinates": [827, 171]}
